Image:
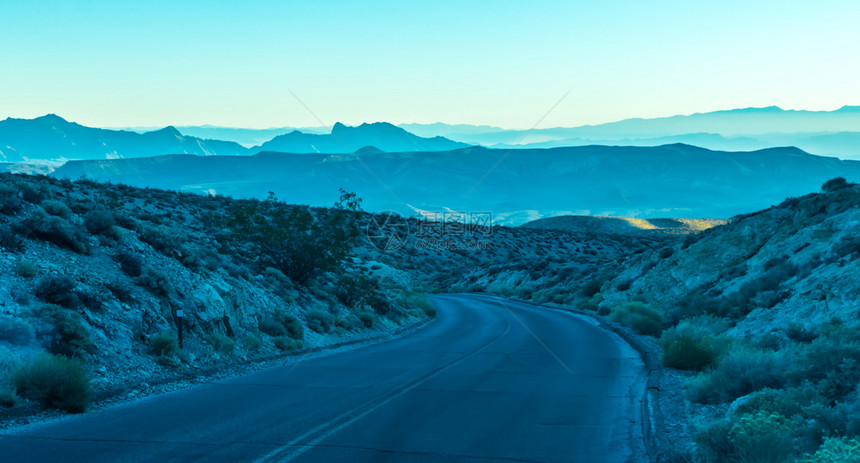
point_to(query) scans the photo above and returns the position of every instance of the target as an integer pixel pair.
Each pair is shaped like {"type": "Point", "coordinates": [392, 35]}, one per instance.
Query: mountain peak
{"type": "Point", "coordinates": [52, 118]}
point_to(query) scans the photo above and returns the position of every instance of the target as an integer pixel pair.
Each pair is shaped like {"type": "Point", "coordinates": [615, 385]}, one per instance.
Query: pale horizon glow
{"type": "Point", "coordinates": [500, 63]}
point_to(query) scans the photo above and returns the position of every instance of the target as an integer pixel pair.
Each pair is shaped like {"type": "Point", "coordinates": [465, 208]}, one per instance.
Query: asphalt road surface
{"type": "Point", "coordinates": [488, 380]}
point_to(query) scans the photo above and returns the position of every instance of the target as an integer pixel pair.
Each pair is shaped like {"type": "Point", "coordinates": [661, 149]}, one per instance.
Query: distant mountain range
{"type": "Point", "coordinates": [343, 139]}
{"type": "Point", "coordinates": [678, 180]}
{"type": "Point", "coordinates": [52, 138]}
{"type": "Point", "coordinates": [834, 133]}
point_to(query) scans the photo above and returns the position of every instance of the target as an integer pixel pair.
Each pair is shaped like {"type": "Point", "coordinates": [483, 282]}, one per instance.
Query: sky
{"type": "Point", "coordinates": [513, 64]}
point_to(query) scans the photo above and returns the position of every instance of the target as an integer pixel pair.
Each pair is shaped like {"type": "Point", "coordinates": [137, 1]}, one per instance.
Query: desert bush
{"type": "Point", "coordinates": [272, 327]}
{"type": "Point", "coordinates": [786, 402]}
{"type": "Point", "coordinates": [121, 290]}
{"type": "Point", "coordinates": [350, 291]}
{"type": "Point", "coordinates": [164, 345]}
{"type": "Point", "coordinates": [55, 381]}
{"type": "Point", "coordinates": [419, 301]}
{"type": "Point", "coordinates": [8, 397]}
{"type": "Point", "coordinates": [294, 327]}
{"type": "Point", "coordinates": [367, 318]}
{"type": "Point", "coordinates": [297, 242]}
{"type": "Point", "coordinates": [832, 363]}
{"type": "Point", "coordinates": [57, 289]}
{"type": "Point", "coordinates": [130, 263]}
{"type": "Point", "coordinates": [102, 222]}
{"type": "Point", "coordinates": [591, 287]}
{"type": "Point", "coordinates": [222, 343]}
{"type": "Point", "coordinates": [834, 184]}
{"type": "Point", "coordinates": [57, 209]}
{"type": "Point", "coordinates": [15, 331]}
{"type": "Point", "coordinates": [9, 201]}
{"type": "Point", "coordinates": [56, 230]}
{"type": "Point", "coordinates": [162, 239]}
{"type": "Point", "coordinates": [34, 194]}
{"type": "Point", "coordinates": [66, 334]}
{"type": "Point", "coordinates": [286, 343]}
{"type": "Point", "coordinates": [836, 450]}
{"type": "Point", "coordinates": [11, 238]}
{"type": "Point", "coordinates": [252, 343]}
{"type": "Point", "coordinates": [155, 281]}
{"type": "Point", "coordinates": [799, 333]}
{"type": "Point", "coordinates": [685, 352]}
{"type": "Point", "coordinates": [762, 438]}
{"type": "Point", "coordinates": [642, 317]}
{"type": "Point", "coordinates": [740, 371]}
{"type": "Point", "coordinates": [26, 269]}
{"type": "Point", "coordinates": [319, 320]}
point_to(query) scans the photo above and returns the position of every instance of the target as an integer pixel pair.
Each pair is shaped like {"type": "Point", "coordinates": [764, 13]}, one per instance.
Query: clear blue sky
{"type": "Point", "coordinates": [498, 62]}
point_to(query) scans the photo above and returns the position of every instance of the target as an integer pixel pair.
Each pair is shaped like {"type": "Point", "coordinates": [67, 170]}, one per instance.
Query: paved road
{"type": "Point", "coordinates": [488, 380]}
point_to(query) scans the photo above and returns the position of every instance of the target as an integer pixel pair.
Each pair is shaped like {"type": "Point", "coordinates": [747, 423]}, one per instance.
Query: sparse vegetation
{"type": "Point", "coordinates": [642, 317]}
{"type": "Point", "coordinates": [55, 381]}
{"type": "Point", "coordinates": [221, 343]}
{"type": "Point", "coordinates": [164, 345]}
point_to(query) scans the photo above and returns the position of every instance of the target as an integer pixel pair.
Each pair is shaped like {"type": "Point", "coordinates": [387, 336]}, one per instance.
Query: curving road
{"type": "Point", "coordinates": [488, 380]}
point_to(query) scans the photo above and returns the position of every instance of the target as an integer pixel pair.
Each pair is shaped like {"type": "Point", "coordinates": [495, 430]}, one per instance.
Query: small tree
{"type": "Point", "coordinates": [294, 240]}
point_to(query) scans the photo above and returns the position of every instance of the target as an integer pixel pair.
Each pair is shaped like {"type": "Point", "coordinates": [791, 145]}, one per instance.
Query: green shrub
{"type": "Point", "coordinates": [121, 290]}
{"type": "Point", "coordinates": [222, 344]}
{"type": "Point", "coordinates": [762, 438]}
{"type": "Point", "coordinates": [9, 201]}
{"type": "Point", "coordinates": [15, 331]}
{"type": "Point", "coordinates": [65, 334]}
{"type": "Point", "coordinates": [786, 402]}
{"type": "Point", "coordinates": [252, 343]}
{"type": "Point", "coordinates": [642, 317]}
{"type": "Point", "coordinates": [8, 398]}
{"type": "Point", "coordinates": [11, 238]}
{"type": "Point", "coordinates": [688, 353]}
{"type": "Point", "coordinates": [367, 318]}
{"type": "Point", "coordinates": [56, 230]}
{"type": "Point", "coordinates": [272, 327]}
{"type": "Point", "coordinates": [352, 290]}
{"type": "Point", "coordinates": [740, 371]}
{"type": "Point", "coordinates": [131, 264]}
{"type": "Point", "coordinates": [57, 209]}
{"type": "Point", "coordinates": [294, 327]}
{"type": "Point", "coordinates": [799, 333]}
{"type": "Point", "coordinates": [156, 282]}
{"type": "Point", "coordinates": [101, 222]}
{"type": "Point", "coordinates": [319, 320]}
{"type": "Point", "coordinates": [57, 289]}
{"type": "Point", "coordinates": [286, 343]}
{"type": "Point", "coordinates": [836, 450]}
{"type": "Point", "coordinates": [419, 301]}
{"type": "Point", "coordinates": [34, 194]}
{"type": "Point", "coordinates": [26, 269]}
{"type": "Point", "coordinates": [164, 345]}
{"type": "Point", "coordinates": [54, 381]}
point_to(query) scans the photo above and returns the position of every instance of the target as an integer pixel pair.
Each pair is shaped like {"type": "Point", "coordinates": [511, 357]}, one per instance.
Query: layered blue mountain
{"type": "Point", "coordinates": [515, 185]}
{"type": "Point", "coordinates": [51, 137]}
{"type": "Point", "coordinates": [835, 133]}
{"type": "Point", "coordinates": [344, 139]}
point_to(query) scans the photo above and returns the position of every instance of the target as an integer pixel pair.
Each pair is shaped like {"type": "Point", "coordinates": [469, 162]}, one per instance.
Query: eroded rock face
{"type": "Point", "coordinates": [794, 263]}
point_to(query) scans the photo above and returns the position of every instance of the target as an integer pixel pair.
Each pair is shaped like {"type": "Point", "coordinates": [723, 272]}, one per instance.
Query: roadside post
{"type": "Point", "coordinates": [179, 316]}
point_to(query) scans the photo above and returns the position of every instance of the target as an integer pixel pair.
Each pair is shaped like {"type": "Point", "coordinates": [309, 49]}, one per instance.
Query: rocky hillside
{"type": "Point", "coordinates": [97, 275]}
{"type": "Point", "coordinates": [762, 315]}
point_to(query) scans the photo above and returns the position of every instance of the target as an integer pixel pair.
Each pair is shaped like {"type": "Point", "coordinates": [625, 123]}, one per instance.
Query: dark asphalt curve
{"type": "Point", "coordinates": [488, 380]}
